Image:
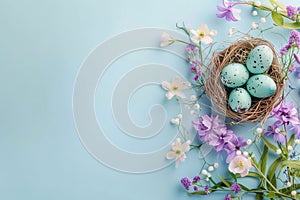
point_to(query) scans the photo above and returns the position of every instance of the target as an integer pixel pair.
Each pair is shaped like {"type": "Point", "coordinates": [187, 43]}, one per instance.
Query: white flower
{"type": "Point", "coordinates": [206, 179]}
{"type": "Point", "coordinates": [293, 193]}
{"type": "Point", "coordinates": [263, 20]}
{"type": "Point", "coordinates": [211, 168]}
{"type": "Point", "coordinates": [216, 165]}
{"type": "Point", "coordinates": [246, 153]}
{"type": "Point", "coordinates": [288, 184]}
{"type": "Point", "coordinates": [187, 107]}
{"type": "Point", "coordinates": [254, 25]}
{"type": "Point", "coordinates": [178, 150]}
{"type": "Point", "coordinates": [277, 130]}
{"type": "Point", "coordinates": [231, 31]}
{"type": "Point", "coordinates": [202, 34]}
{"type": "Point", "coordinates": [238, 153]}
{"type": "Point", "coordinates": [249, 141]}
{"type": "Point", "coordinates": [278, 151]}
{"type": "Point", "coordinates": [192, 112]}
{"type": "Point", "coordinates": [193, 97]}
{"type": "Point", "coordinates": [254, 13]}
{"type": "Point", "coordinates": [166, 40]}
{"type": "Point", "coordinates": [240, 165]}
{"type": "Point", "coordinates": [297, 141]}
{"type": "Point", "coordinates": [204, 172]}
{"type": "Point", "coordinates": [175, 87]}
{"type": "Point", "coordinates": [257, 3]}
{"type": "Point", "coordinates": [197, 106]}
{"type": "Point", "coordinates": [208, 175]}
{"type": "Point", "coordinates": [259, 130]}
{"type": "Point", "coordinates": [175, 121]}
{"type": "Point", "coordinates": [290, 148]}
{"type": "Point", "coordinates": [179, 116]}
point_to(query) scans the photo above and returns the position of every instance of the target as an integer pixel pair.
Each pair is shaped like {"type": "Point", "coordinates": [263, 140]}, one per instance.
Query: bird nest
{"type": "Point", "coordinates": [218, 94]}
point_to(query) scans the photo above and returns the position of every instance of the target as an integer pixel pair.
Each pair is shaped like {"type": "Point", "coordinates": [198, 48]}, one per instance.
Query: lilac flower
{"type": "Point", "coordinates": [235, 144]}
{"type": "Point", "coordinates": [207, 189]}
{"type": "Point", "coordinates": [230, 13]}
{"type": "Point", "coordinates": [296, 130]}
{"type": "Point", "coordinates": [192, 49]}
{"type": "Point", "coordinates": [196, 179]}
{"type": "Point", "coordinates": [223, 138]}
{"type": "Point", "coordinates": [286, 113]}
{"type": "Point", "coordinates": [236, 188]}
{"type": "Point", "coordinates": [196, 188]}
{"type": "Point", "coordinates": [294, 41]}
{"type": "Point", "coordinates": [275, 131]}
{"type": "Point", "coordinates": [227, 197]}
{"type": "Point", "coordinates": [186, 182]}
{"type": "Point", "coordinates": [291, 11]}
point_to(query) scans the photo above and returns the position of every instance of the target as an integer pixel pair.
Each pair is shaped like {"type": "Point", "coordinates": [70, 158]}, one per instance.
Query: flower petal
{"type": "Point", "coordinates": [171, 155]}
{"type": "Point", "coordinates": [166, 85]}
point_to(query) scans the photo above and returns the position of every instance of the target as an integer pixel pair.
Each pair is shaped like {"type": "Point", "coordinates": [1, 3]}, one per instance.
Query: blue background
{"type": "Point", "coordinates": [42, 45]}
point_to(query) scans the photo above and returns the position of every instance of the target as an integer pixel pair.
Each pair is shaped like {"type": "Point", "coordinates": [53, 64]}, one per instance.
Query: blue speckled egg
{"type": "Point", "coordinates": [234, 75]}
{"type": "Point", "coordinates": [239, 100]}
{"type": "Point", "coordinates": [261, 86]}
{"type": "Point", "coordinates": [259, 59]}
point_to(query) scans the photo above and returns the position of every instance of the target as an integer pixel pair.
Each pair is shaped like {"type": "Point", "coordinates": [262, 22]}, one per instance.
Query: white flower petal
{"type": "Point", "coordinates": [171, 155]}
{"type": "Point", "coordinates": [207, 40]}
{"type": "Point", "coordinates": [166, 85]}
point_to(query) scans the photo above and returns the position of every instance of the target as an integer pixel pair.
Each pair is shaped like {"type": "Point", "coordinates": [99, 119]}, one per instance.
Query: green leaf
{"type": "Point", "coordinates": [259, 196]}
{"type": "Point", "coordinates": [294, 25]}
{"type": "Point", "coordinates": [291, 141]}
{"type": "Point", "coordinates": [272, 170]}
{"type": "Point", "coordinates": [271, 146]}
{"type": "Point", "coordinates": [271, 195]}
{"type": "Point", "coordinates": [224, 181]}
{"type": "Point", "coordinates": [254, 174]}
{"type": "Point", "coordinates": [198, 192]}
{"type": "Point", "coordinates": [277, 18]}
{"type": "Point", "coordinates": [280, 5]}
{"type": "Point", "coordinates": [263, 160]}
{"type": "Point", "coordinates": [291, 163]}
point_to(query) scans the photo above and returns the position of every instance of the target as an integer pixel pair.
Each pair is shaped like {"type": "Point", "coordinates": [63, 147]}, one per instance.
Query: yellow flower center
{"type": "Point", "coordinates": [175, 88]}
{"type": "Point", "coordinates": [241, 164]}
{"type": "Point", "coordinates": [201, 35]}
{"type": "Point", "coordinates": [178, 152]}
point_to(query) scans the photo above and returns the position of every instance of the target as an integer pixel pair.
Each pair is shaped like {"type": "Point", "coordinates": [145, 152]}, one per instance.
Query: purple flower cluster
{"type": "Point", "coordinates": [186, 182]}
{"type": "Point", "coordinates": [292, 11]}
{"type": "Point", "coordinates": [294, 41]}
{"type": "Point", "coordinates": [286, 114]}
{"type": "Point", "coordinates": [213, 132]}
{"type": "Point", "coordinates": [235, 188]}
{"type": "Point", "coordinates": [227, 197]}
{"type": "Point", "coordinates": [207, 189]}
{"type": "Point", "coordinates": [193, 58]}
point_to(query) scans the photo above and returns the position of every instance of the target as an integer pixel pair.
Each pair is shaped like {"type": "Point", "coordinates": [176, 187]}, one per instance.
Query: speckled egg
{"type": "Point", "coordinates": [239, 100]}
{"type": "Point", "coordinates": [261, 86]}
{"type": "Point", "coordinates": [234, 75]}
{"type": "Point", "coordinates": [259, 59]}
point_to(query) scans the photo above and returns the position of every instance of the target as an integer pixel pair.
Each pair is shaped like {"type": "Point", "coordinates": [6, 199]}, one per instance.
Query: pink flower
{"type": "Point", "coordinates": [178, 151]}
{"type": "Point", "coordinates": [240, 165]}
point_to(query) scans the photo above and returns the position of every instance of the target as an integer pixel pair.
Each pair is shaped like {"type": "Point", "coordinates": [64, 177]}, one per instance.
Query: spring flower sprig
{"type": "Point", "coordinates": [282, 15]}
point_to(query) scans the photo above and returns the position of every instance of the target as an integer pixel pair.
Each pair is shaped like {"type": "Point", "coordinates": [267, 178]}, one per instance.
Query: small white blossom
{"type": "Point", "coordinates": [238, 153]}
{"type": "Point", "coordinates": [175, 87]}
{"type": "Point", "coordinates": [246, 153]}
{"type": "Point", "coordinates": [204, 172]}
{"type": "Point", "coordinates": [197, 106]}
{"type": "Point", "coordinates": [249, 141]}
{"type": "Point", "coordinates": [178, 150]}
{"type": "Point", "coordinates": [175, 121]}
{"type": "Point", "coordinates": [252, 155]}
{"type": "Point", "coordinates": [254, 13]}
{"type": "Point", "coordinates": [277, 130]}
{"type": "Point", "coordinates": [254, 25]}
{"type": "Point", "coordinates": [193, 97]}
{"type": "Point", "coordinates": [278, 151]}
{"type": "Point", "coordinates": [293, 193]}
{"type": "Point", "coordinates": [259, 130]}
{"type": "Point", "coordinates": [263, 20]}
{"type": "Point", "coordinates": [166, 40]}
{"type": "Point", "coordinates": [187, 107]}
{"type": "Point", "coordinates": [179, 116]}
{"type": "Point", "coordinates": [216, 165]}
{"type": "Point", "coordinates": [211, 168]}
{"type": "Point", "coordinates": [257, 3]}
{"type": "Point", "coordinates": [207, 179]}
{"type": "Point", "coordinates": [288, 184]}
{"type": "Point", "coordinates": [297, 141]}
{"type": "Point", "coordinates": [290, 148]}
{"type": "Point", "coordinates": [208, 175]}
{"type": "Point", "coordinates": [192, 112]}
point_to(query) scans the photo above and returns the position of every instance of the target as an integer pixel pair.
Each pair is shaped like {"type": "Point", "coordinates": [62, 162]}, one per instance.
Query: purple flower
{"type": "Point", "coordinates": [227, 197]}
{"type": "Point", "coordinates": [192, 49]}
{"type": "Point", "coordinates": [230, 13]}
{"type": "Point", "coordinates": [291, 11]}
{"type": "Point", "coordinates": [285, 113]}
{"type": "Point", "coordinates": [275, 131]}
{"type": "Point", "coordinates": [294, 41]}
{"type": "Point", "coordinates": [220, 140]}
{"type": "Point", "coordinates": [235, 188]}
{"type": "Point", "coordinates": [186, 182]}
{"type": "Point", "coordinates": [296, 131]}
{"type": "Point", "coordinates": [207, 189]}
{"type": "Point", "coordinates": [235, 144]}
{"type": "Point", "coordinates": [196, 179]}
{"type": "Point", "coordinates": [196, 188]}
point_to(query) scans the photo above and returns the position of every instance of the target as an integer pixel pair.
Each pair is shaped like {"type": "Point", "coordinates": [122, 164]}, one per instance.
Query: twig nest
{"type": "Point", "coordinates": [218, 94]}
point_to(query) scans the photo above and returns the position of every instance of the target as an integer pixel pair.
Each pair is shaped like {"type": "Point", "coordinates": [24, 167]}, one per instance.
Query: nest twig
{"type": "Point", "coordinates": [218, 94]}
